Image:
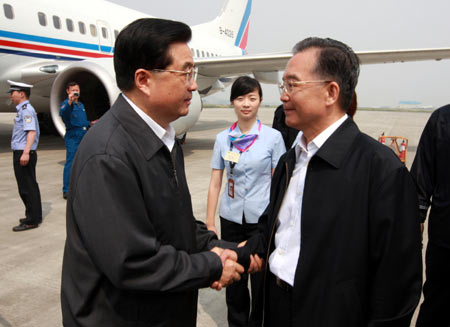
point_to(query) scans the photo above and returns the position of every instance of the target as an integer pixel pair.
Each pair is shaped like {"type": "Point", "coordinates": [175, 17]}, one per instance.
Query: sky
{"type": "Point", "coordinates": [275, 26]}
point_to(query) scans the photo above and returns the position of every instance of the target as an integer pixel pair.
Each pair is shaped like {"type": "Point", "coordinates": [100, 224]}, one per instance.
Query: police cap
{"type": "Point", "coordinates": [17, 86]}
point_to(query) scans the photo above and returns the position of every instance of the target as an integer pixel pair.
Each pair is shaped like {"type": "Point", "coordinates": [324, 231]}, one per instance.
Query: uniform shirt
{"type": "Point", "coordinates": [252, 175]}
{"type": "Point", "coordinates": [283, 260]}
{"type": "Point", "coordinates": [26, 120]}
{"type": "Point", "coordinates": [167, 136]}
{"type": "Point", "coordinates": [74, 116]}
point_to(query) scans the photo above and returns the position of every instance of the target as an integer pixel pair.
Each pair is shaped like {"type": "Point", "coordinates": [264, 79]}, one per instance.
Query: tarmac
{"type": "Point", "coordinates": [30, 264]}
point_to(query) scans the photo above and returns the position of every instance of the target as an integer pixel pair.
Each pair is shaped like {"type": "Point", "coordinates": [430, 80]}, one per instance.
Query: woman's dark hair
{"type": "Point", "coordinates": [144, 44]}
{"type": "Point", "coordinates": [244, 85]}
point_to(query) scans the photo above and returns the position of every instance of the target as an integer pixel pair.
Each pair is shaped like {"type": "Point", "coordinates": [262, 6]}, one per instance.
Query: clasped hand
{"type": "Point", "coordinates": [232, 270]}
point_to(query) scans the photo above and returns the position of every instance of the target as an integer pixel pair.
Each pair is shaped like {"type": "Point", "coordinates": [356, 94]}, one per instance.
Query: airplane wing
{"type": "Point", "coordinates": [231, 66]}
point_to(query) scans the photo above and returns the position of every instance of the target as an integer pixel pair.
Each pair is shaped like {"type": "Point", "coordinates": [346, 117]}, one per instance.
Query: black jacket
{"type": "Point", "coordinates": [431, 171]}
{"type": "Point", "coordinates": [360, 258]}
{"type": "Point", "coordinates": [133, 254]}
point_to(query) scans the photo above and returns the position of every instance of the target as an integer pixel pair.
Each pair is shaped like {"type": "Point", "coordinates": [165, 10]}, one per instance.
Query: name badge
{"type": "Point", "coordinates": [232, 156]}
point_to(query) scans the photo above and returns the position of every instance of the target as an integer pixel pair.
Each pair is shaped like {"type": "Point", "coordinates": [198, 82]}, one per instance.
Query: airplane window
{"type": "Point", "coordinates": [198, 53]}
{"type": "Point", "coordinates": [207, 53]}
{"type": "Point", "coordinates": [192, 51]}
{"type": "Point", "coordinates": [104, 32]}
{"type": "Point", "coordinates": [116, 33]}
{"type": "Point", "coordinates": [93, 30]}
{"type": "Point", "coordinates": [42, 18]}
{"type": "Point", "coordinates": [82, 27]}
{"type": "Point", "coordinates": [8, 10]}
{"type": "Point", "coordinates": [203, 53]}
{"type": "Point", "coordinates": [69, 24]}
{"type": "Point", "coordinates": [57, 22]}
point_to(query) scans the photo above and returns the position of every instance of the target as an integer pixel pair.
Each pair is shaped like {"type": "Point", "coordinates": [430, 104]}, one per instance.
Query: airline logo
{"type": "Point", "coordinates": [50, 48]}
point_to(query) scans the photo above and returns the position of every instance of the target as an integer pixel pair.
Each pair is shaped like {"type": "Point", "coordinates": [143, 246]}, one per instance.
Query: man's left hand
{"type": "Point", "coordinates": [24, 159]}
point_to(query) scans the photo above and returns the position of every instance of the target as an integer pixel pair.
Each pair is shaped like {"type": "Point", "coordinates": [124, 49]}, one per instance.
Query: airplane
{"type": "Point", "coordinates": [49, 43]}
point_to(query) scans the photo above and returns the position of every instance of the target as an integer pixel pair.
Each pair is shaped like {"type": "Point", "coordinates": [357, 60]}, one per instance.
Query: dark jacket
{"type": "Point", "coordinates": [133, 254]}
{"type": "Point", "coordinates": [360, 258]}
{"type": "Point", "coordinates": [431, 171]}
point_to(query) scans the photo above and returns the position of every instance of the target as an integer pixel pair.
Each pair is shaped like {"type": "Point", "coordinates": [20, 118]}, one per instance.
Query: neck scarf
{"type": "Point", "coordinates": [242, 142]}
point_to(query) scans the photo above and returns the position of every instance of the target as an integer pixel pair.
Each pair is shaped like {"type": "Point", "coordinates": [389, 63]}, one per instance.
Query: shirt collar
{"type": "Point", "coordinates": [319, 140]}
{"type": "Point", "coordinates": [20, 105]}
{"type": "Point", "coordinates": [167, 136]}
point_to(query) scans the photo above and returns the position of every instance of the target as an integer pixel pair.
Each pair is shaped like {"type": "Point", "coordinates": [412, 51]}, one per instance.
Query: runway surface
{"type": "Point", "coordinates": [30, 262]}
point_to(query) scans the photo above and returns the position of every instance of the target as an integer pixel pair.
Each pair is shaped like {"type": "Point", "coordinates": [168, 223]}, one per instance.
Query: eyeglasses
{"type": "Point", "coordinates": [191, 73]}
{"type": "Point", "coordinates": [288, 87]}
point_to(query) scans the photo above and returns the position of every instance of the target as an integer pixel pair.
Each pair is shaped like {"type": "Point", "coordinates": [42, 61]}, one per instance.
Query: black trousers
{"type": "Point", "coordinates": [435, 309]}
{"type": "Point", "coordinates": [278, 310]}
{"type": "Point", "coordinates": [28, 187]}
{"type": "Point", "coordinates": [237, 294]}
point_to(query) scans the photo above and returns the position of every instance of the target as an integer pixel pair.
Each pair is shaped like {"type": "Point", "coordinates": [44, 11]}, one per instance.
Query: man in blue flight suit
{"type": "Point", "coordinates": [24, 142]}
{"type": "Point", "coordinates": [73, 114]}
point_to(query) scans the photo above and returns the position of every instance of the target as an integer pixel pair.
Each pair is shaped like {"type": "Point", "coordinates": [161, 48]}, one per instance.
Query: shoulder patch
{"type": "Point", "coordinates": [28, 118]}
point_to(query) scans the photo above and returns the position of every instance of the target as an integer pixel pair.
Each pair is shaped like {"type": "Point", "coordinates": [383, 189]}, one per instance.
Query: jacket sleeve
{"type": "Point", "coordinates": [395, 263]}
{"type": "Point", "coordinates": [65, 110]}
{"type": "Point", "coordinates": [423, 169]}
{"type": "Point", "coordinates": [111, 218]}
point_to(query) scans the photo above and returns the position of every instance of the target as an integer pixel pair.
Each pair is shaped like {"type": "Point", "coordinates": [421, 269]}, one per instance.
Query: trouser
{"type": "Point", "coordinates": [435, 309]}
{"type": "Point", "coordinates": [28, 187]}
{"type": "Point", "coordinates": [72, 140]}
{"type": "Point", "coordinates": [237, 294]}
{"type": "Point", "coordinates": [278, 309]}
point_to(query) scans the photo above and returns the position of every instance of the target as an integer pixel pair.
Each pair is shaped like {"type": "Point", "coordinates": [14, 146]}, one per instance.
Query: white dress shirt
{"type": "Point", "coordinates": [283, 260]}
{"type": "Point", "coordinates": [167, 136]}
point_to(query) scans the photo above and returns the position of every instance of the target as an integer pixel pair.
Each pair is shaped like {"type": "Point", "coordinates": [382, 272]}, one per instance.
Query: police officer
{"type": "Point", "coordinates": [73, 114]}
{"type": "Point", "coordinates": [25, 139]}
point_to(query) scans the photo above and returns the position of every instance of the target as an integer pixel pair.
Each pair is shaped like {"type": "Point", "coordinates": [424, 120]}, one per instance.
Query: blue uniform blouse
{"type": "Point", "coordinates": [26, 120]}
{"type": "Point", "coordinates": [252, 175]}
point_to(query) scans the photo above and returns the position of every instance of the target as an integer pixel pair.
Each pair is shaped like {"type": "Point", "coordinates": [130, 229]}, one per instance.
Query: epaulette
{"type": "Point", "coordinates": [24, 106]}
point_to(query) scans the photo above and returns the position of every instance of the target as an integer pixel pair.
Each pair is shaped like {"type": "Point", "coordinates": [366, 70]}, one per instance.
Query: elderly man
{"type": "Point", "coordinates": [341, 235]}
{"type": "Point", "coordinates": [134, 254]}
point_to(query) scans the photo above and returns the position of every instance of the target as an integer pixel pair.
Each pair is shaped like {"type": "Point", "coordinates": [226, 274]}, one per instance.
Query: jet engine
{"type": "Point", "coordinates": [99, 91]}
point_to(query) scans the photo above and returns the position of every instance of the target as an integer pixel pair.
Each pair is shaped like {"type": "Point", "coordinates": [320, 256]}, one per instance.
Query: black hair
{"type": "Point", "coordinates": [144, 43]}
{"type": "Point", "coordinates": [336, 61]}
{"type": "Point", "coordinates": [244, 85]}
{"type": "Point", "coordinates": [73, 83]}
{"type": "Point", "coordinates": [27, 92]}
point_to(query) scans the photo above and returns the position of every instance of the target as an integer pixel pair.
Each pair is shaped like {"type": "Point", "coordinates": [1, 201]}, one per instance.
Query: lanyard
{"type": "Point", "coordinates": [245, 139]}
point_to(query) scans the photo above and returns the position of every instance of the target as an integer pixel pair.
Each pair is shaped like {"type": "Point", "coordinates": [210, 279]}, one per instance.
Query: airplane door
{"type": "Point", "coordinates": [105, 37]}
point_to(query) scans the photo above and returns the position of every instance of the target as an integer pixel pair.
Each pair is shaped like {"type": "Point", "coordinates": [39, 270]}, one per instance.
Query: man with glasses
{"type": "Point", "coordinates": [341, 235]}
{"type": "Point", "coordinates": [134, 254]}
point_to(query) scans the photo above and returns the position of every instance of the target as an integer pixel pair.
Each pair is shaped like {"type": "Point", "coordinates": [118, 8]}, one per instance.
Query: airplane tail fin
{"type": "Point", "coordinates": [233, 22]}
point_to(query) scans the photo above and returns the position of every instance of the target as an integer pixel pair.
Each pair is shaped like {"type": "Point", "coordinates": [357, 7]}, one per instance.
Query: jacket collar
{"type": "Point", "coordinates": [335, 149]}
{"type": "Point", "coordinates": [147, 141]}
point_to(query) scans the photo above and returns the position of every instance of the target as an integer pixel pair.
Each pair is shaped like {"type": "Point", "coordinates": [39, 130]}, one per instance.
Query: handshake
{"type": "Point", "coordinates": [231, 269]}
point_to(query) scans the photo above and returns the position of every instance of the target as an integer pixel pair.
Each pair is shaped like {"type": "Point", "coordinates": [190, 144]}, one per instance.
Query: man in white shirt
{"type": "Point", "coordinates": [341, 235]}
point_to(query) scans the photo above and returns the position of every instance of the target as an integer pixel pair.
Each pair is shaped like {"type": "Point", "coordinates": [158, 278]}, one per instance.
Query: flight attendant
{"type": "Point", "coordinates": [249, 151]}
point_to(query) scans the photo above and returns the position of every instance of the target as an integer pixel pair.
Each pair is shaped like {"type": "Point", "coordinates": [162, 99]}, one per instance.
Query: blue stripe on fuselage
{"type": "Point", "coordinates": [53, 41]}
{"type": "Point", "coordinates": [38, 55]}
